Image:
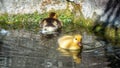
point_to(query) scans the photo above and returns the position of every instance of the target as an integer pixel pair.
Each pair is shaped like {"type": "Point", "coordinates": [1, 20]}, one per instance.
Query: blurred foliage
{"type": "Point", "coordinates": [112, 35]}
{"type": "Point", "coordinates": [21, 21]}
{"type": "Point", "coordinates": [109, 33]}
{"type": "Point", "coordinates": [66, 17]}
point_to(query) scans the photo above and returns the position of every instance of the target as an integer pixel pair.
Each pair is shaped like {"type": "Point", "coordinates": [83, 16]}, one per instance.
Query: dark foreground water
{"type": "Point", "coordinates": [23, 49]}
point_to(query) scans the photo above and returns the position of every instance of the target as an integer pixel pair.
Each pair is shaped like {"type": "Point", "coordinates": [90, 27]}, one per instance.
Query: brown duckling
{"type": "Point", "coordinates": [51, 24]}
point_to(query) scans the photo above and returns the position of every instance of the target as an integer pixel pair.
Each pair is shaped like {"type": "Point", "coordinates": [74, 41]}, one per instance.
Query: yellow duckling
{"type": "Point", "coordinates": [70, 42]}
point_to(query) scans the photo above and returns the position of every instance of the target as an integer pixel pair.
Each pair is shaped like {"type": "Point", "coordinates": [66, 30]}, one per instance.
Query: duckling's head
{"type": "Point", "coordinates": [53, 15]}
{"type": "Point", "coordinates": [77, 39]}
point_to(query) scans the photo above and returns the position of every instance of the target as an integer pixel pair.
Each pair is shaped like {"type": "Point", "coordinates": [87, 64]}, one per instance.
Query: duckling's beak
{"type": "Point", "coordinates": [80, 44]}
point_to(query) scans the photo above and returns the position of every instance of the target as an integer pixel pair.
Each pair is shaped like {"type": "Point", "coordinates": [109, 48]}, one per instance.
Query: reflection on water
{"type": "Point", "coordinates": [75, 54]}
{"type": "Point", "coordinates": [33, 51]}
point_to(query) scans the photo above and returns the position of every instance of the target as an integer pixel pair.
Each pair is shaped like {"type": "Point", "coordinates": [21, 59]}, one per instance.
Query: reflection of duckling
{"type": "Point", "coordinates": [70, 42]}
{"type": "Point", "coordinates": [75, 54]}
{"type": "Point", "coordinates": [51, 24]}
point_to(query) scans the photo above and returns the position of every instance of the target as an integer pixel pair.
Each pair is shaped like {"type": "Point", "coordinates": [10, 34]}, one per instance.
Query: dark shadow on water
{"type": "Point", "coordinates": [112, 19]}
{"type": "Point", "coordinates": [1, 48]}
{"type": "Point", "coordinates": [48, 36]}
{"type": "Point", "coordinates": [4, 54]}
{"type": "Point", "coordinates": [113, 56]}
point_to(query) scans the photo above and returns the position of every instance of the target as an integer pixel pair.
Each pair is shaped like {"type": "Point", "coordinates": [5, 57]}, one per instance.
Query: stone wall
{"type": "Point", "coordinates": [30, 6]}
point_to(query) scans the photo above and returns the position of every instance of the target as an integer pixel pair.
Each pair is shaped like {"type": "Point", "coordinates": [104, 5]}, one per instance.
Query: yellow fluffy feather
{"type": "Point", "coordinates": [70, 42]}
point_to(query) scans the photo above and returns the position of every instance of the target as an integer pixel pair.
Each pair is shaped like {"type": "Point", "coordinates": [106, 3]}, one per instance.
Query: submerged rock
{"type": "Point", "coordinates": [4, 32]}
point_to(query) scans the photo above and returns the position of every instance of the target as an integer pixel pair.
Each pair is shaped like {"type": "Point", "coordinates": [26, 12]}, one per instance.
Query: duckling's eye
{"type": "Point", "coordinates": [75, 38]}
